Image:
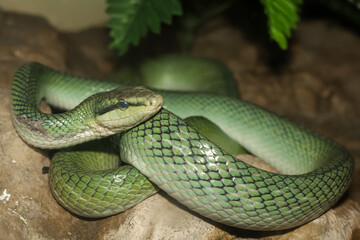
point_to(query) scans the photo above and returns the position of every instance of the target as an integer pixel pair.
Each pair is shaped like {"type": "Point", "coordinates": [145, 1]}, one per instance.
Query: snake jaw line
{"type": "Point", "coordinates": [102, 131]}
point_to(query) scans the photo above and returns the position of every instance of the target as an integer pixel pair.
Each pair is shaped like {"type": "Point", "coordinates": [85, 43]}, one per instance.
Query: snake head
{"type": "Point", "coordinates": [124, 108]}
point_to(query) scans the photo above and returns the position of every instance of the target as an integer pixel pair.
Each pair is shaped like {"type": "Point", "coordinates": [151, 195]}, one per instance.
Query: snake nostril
{"type": "Point", "coordinates": [155, 102]}
{"type": "Point", "coordinates": [158, 101]}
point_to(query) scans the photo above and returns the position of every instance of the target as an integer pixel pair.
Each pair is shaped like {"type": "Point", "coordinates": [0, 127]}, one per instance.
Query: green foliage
{"type": "Point", "coordinates": [282, 17]}
{"type": "Point", "coordinates": [356, 3]}
{"type": "Point", "coordinates": [131, 19]}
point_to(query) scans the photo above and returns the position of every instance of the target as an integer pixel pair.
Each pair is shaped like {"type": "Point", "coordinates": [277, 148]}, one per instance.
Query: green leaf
{"type": "Point", "coordinates": [131, 19]}
{"type": "Point", "coordinates": [283, 16]}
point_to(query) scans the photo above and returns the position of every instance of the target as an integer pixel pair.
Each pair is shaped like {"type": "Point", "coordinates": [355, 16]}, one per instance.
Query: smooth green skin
{"type": "Point", "coordinates": [196, 172]}
{"type": "Point", "coordinates": [167, 73]}
{"type": "Point", "coordinates": [217, 136]}
{"type": "Point", "coordinates": [201, 75]}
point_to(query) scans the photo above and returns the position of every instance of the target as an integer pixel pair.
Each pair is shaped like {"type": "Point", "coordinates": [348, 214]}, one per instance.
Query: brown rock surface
{"type": "Point", "coordinates": [24, 39]}
{"type": "Point", "coordinates": [319, 92]}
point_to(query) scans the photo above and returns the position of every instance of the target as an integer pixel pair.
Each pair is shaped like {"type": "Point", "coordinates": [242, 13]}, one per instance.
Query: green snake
{"type": "Point", "coordinates": [162, 151]}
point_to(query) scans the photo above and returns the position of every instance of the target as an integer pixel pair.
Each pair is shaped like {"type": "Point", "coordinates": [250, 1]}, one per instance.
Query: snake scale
{"type": "Point", "coordinates": [166, 152]}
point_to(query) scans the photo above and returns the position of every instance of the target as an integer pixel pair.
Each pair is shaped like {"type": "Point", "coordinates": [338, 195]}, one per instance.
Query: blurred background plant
{"type": "Point", "coordinates": [130, 20]}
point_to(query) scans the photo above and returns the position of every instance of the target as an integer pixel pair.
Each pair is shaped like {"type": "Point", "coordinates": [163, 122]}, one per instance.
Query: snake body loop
{"type": "Point", "coordinates": [173, 156]}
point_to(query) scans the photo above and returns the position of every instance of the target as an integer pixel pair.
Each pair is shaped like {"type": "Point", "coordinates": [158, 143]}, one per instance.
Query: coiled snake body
{"type": "Point", "coordinates": [165, 151]}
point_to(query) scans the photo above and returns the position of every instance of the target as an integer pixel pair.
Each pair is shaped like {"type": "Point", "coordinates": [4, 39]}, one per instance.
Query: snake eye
{"type": "Point", "coordinates": [122, 104]}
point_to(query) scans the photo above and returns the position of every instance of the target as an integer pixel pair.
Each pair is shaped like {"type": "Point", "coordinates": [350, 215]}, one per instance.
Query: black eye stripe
{"type": "Point", "coordinates": [107, 109]}
{"type": "Point", "coordinates": [119, 105]}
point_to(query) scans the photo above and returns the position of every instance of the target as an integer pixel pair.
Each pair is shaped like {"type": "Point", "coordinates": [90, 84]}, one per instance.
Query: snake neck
{"type": "Point", "coordinates": [30, 86]}
{"type": "Point", "coordinates": [57, 130]}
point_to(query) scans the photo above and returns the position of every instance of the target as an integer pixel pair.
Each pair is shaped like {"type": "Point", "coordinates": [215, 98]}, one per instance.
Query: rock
{"type": "Point", "coordinates": [27, 207]}
{"type": "Point", "coordinates": [16, 47]}
{"type": "Point", "coordinates": [85, 55]}
{"type": "Point", "coordinates": [306, 100]}
{"type": "Point", "coordinates": [306, 88]}
{"type": "Point", "coordinates": [157, 218]}
{"type": "Point", "coordinates": [341, 105]}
